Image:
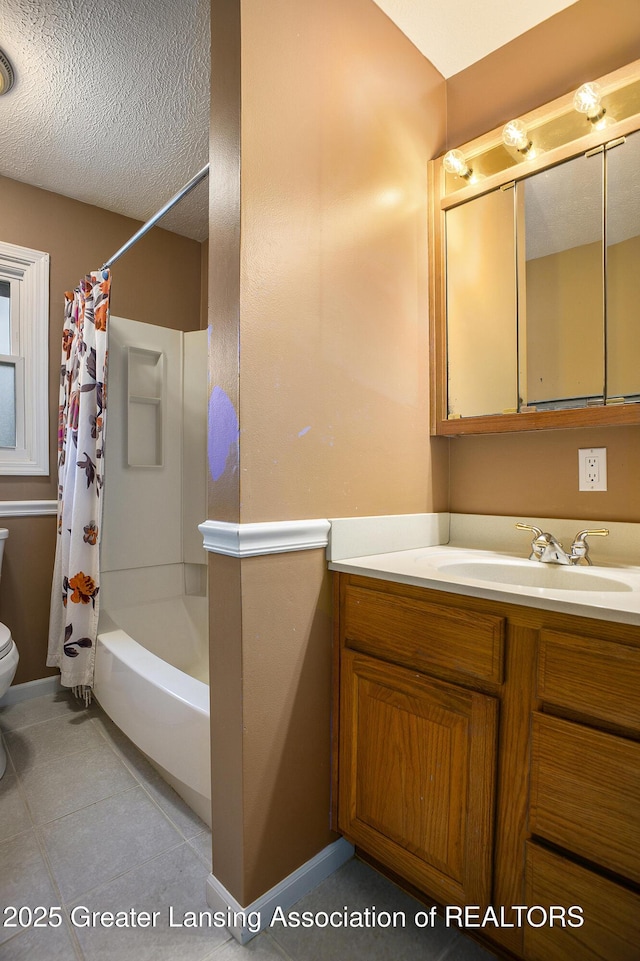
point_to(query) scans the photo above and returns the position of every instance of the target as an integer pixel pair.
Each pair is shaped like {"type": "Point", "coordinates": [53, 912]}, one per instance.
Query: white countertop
{"type": "Point", "coordinates": [445, 568]}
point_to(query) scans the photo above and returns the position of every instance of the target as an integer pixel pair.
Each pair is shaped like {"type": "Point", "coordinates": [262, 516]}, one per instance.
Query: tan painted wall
{"type": "Point", "coordinates": [565, 324]}
{"type": "Point", "coordinates": [537, 473]}
{"type": "Point", "coordinates": [334, 380]}
{"type": "Point", "coordinates": [586, 40]}
{"type": "Point", "coordinates": [79, 237]}
{"type": "Point", "coordinates": [322, 348]}
{"type": "Point", "coordinates": [623, 307]}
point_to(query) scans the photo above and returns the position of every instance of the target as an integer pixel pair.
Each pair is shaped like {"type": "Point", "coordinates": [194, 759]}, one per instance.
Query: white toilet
{"type": "Point", "coordinates": [8, 656]}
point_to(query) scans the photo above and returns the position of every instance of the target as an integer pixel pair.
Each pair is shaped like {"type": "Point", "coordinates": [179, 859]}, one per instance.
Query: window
{"type": "Point", "coordinates": [24, 360]}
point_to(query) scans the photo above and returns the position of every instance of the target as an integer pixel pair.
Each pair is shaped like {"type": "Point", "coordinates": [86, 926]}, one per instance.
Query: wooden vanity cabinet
{"type": "Point", "coordinates": [489, 754]}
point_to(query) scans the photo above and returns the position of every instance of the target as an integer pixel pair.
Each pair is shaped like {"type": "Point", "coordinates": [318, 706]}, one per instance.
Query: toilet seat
{"type": "Point", "coordinates": [6, 641]}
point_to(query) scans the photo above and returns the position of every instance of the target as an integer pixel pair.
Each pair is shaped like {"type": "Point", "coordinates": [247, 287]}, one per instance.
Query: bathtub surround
{"type": "Point", "coordinates": [152, 663]}
{"type": "Point", "coordinates": [152, 655]}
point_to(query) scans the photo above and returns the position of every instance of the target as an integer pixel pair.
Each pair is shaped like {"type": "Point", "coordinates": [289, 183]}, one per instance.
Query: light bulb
{"type": "Point", "coordinates": [587, 100]}
{"type": "Point", "coordinates": [454, 163]}
{"type": "Point", "coordinates": [515, 135]}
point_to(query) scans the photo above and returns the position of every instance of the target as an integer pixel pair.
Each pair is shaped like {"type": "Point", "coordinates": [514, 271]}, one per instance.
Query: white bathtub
{"type": "Point", "coordinates": [151, 673]}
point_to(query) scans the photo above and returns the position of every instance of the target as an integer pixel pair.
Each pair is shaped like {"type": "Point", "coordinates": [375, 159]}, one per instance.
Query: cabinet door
{"type": "Point", "coordinates": [417, 770]}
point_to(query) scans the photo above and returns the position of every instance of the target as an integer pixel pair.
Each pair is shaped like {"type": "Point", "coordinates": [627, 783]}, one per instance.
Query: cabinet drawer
{"type": "Point", "coordinates": [422, 634]}
{"type": "Point", "coordinates": [611, 913]}
{"type": "Point", "coordinates": [600, 679]}
{"type": "Point", "coordinates": [585, 793]}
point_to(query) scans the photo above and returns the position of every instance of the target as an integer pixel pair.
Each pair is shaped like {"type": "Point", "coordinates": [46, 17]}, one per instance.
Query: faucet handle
{"type": "Point", "coordinates": [580, 548]}
{"type": "Point", "coordinates": [536, 531]}
{"type": "Point", "coordinates": [539, 542]}
{"type": "Point", "coordinates": [601, 532]}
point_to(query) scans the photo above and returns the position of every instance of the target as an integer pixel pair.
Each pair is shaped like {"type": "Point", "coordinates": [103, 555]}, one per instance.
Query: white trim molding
{"type": "Point", "coordinates": [27, 508]}
{"type": "Point", "coordinates": [245, 923]}
{"type": "Point", "coordinates": [27, 272]}
{"type": "Point", "coordinates": [272, 537]}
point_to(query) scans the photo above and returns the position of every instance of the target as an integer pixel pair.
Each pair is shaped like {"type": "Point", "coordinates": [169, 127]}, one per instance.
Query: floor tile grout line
{"type": "Point", "coordinates": [126, 764]}
{"type": "Point", "coordinates": [132, 770]}
{"type": "Point", "coordinates": [47, 720]}
{"type": "Point", "coordinates": [56, 887]}
{"type": "Point", "coordinates": [199, 855]}
{"type": "Point", "coordinates": [41, 824]}
{"type": "Point", "coordinates": [61, 757]}
{"type": "Point", "coordinates": [285, 954]}
{"type": "Point", "coordinates": [69, 905]}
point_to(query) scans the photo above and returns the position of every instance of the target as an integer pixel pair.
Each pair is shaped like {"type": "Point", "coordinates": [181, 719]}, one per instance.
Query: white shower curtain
{"type": "Point", "coordinates": [73, 624]}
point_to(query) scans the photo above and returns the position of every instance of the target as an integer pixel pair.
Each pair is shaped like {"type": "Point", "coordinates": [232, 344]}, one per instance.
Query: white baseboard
{"type": "Point", "coordinates": [245, 923]}
{"type": "Point", "coordinates": [29, 689]}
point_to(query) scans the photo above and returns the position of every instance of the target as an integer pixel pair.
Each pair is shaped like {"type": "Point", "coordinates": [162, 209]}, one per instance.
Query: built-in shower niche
{"type": "Point", "coordinates": [145, 402]}
{"type": "Point", "coordinates": [155, 449]}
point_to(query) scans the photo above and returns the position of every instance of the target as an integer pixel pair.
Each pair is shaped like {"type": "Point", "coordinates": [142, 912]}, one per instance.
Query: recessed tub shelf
{"type": "Point", "coordinates": [145, 403]}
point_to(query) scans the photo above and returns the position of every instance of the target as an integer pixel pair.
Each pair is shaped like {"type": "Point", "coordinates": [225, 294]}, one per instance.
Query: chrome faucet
{"type": "Point", "coordinates": [548, 550]}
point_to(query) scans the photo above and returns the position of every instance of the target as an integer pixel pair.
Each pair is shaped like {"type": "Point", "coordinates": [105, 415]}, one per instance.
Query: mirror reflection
{"type": "Point", "coordinates": [561, 313]}
{"type": "Point", "coordinates": [481, 306]}
{"type": "Point", "coordinates": [623, 275]}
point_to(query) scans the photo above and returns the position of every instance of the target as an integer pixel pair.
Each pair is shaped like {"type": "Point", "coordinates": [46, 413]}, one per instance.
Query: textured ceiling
{"type": "Point", "coordinates": [111, 101]}
{"type": "Point", "coordinates": [453, 35]}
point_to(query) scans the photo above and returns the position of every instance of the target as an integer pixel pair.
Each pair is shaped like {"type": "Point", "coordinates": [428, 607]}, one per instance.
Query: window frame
{"type": "Point", "coordinates": [28, 270]}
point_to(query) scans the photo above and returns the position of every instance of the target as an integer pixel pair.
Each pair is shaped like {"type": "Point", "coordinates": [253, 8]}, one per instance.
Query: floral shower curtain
{"type": "Point", "coordinates": [73, 623]}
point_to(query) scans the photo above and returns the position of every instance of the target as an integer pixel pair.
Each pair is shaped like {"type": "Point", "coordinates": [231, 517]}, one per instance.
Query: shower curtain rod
{"type": "Point", "coordinates": [156, 217]}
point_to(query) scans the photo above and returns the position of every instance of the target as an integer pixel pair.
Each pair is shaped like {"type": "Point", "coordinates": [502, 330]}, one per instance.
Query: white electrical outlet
{"type": "Point", "coordinates": [592, 469]}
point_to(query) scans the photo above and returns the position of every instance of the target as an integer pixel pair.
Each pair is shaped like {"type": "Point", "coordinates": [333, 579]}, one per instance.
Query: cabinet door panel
{"type": "Point", "coordinates": [416, 776]}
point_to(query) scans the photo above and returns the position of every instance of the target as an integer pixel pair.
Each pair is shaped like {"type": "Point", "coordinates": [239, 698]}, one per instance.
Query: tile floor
{"type": "Point", "coordinates": [87, 823]}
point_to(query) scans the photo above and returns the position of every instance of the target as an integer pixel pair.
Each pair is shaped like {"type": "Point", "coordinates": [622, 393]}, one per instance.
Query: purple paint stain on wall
{"type": "Point", "coordinates": [223, 434]}
{"type": "Point", "coordinates": [304, 430]}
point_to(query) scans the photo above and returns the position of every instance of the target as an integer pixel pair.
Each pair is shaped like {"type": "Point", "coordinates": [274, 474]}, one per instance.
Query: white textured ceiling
{"type": "Point", "coordinates": [111, 101]}
{"type": "Point", "coordinates": [454, 35]}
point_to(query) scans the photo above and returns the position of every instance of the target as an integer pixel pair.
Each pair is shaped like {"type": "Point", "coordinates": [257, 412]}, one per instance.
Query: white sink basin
{"type": "Point", "coordinates": [532, 574]}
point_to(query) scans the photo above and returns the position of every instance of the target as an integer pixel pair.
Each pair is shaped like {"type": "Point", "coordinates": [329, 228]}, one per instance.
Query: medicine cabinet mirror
{"type": "Point", "coordinates": [537, 299]}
